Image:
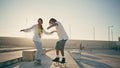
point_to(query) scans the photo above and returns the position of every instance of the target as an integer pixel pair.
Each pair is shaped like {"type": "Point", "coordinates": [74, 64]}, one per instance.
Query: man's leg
{"type": "Point", "coordinates": [62, 50]}
{"type": "Point", "coordinates": [57, 53]}
{"type": "Point", "coordinates": [63, 58]}
{"type": "Point", "coordinates": [57, 57]}
{"type": "Point", "coordinates": [62, 44]}
{"type": "Point", "coordinates": [57, 50]}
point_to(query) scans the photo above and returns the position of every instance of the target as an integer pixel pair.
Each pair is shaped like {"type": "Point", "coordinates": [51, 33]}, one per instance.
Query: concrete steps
{"type": "Point", "coordinates": [9, 58]}
{"type": "Point", "coordinates": [11, 49]}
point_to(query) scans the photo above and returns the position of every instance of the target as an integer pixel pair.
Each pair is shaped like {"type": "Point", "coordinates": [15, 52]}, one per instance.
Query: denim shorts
{"type": "Point", "coordinates": [60, 45]}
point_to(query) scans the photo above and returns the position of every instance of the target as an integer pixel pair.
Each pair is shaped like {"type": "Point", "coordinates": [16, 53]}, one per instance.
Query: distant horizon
{"type": "Point", "coordinates": [47, 38]}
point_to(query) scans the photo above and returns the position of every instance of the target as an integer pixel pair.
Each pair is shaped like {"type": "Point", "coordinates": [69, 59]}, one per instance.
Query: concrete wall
{"type": "Point", "coordinates": [50, 43]}
{"type": "Point", "coordinates": [119, 39]}
{"type": "Point", "coordinates": [15, 41]}
{"type": "Point", "coordinates": [90, 44]}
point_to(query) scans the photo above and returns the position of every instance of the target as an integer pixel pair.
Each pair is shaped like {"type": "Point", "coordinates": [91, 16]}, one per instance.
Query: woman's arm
{"type": "Point", "coordinates": [48, 33]}
{"type": "Point", "coordinates": [27, 29]}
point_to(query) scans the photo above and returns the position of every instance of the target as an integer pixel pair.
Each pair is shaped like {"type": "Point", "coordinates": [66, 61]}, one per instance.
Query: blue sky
{"type": "Point", "coordinates": [81, 15]}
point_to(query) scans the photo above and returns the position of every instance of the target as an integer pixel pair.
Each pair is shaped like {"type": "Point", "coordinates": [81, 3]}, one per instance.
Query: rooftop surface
{"type": "Point", "coordinates": [87, 59]}
{"type": "Point", "coordinates": [47, 63]}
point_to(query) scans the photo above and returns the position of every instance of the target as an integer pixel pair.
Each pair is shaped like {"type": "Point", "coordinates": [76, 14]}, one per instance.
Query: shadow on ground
{"type": "Point", "coordinates": [45, 63]}
{"type": "Point", "coordinates": [85, 63]}
{"type": "Point", "coordinates": [89, 61]}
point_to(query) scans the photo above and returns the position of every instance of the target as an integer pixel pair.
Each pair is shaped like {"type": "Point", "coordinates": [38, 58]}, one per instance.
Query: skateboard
{"type": "Point", "coordinates": [59, 63]}
{"type": "Point", "coordinates": [63, 63]}
{"type": "Point", "coordinates": [56, 63]}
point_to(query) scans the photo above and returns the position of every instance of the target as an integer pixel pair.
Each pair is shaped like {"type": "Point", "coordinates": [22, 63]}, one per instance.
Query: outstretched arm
{"type": "Point", "coordinates": [28, 29]}
{"type": "Point", "coordinates": [55, 24]}
{"type": "Point", "coordinates": [45, 32]}
{"type": "Point", "coordinates": [49, 33]}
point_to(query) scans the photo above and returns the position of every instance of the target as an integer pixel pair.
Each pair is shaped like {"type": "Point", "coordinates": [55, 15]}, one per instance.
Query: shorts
{"type": "Point", "coordinates": [60, 45]}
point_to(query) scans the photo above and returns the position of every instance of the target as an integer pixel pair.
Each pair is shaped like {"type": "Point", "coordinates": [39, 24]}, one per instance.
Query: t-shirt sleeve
{"type": "Point", "coordinates": [29, 29]}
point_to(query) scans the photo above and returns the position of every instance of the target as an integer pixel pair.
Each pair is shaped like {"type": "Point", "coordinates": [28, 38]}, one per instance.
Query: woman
{"type": "Point", "coordinates": [38, 31]}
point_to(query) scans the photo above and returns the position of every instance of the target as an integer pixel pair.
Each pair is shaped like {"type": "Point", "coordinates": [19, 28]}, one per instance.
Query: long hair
{"type": "Point", "coordinates": [41, 27]}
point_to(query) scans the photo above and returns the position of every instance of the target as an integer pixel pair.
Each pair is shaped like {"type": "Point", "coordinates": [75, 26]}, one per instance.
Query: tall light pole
{"type": "Point", "coordinates": [70, 30]}
{"type": "Point", "coordinates": [112, 34]}
{"type": "Point", "coordinates": [93, 33]}
{"type": "Point", "coordinates": [70, 34]}
{"type": "Point", "coordinates": [26, 22]}
{"type": "Point", "coordinates": [109, 28]}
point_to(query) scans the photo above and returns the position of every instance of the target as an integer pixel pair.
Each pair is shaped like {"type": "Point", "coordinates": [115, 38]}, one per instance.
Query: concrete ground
{"type": "Point", "coordinates": [87, 59]}
{"type": "Point", "coordinates": [10, 55]}
{"type": "Point", "coordinates": [47, 62]}
{"type": "Point", "coordinates": [97, 59]}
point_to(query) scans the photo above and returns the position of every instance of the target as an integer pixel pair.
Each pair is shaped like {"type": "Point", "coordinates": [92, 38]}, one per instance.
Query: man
{"type": "Point", "coordinates": [63, 37]}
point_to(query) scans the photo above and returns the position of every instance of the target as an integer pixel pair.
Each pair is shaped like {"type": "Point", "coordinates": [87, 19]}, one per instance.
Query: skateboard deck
{"type": "Point", "coordinates": [59, 64]}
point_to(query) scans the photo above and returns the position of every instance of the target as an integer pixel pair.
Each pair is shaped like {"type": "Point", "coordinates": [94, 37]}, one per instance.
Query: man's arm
{"type": "Point", "coordinates": [53, 31]}
{"type": "Point", "coordinates": [49, 33]}
{"type": "Point", "coordinates": [45, 32]}
{"type": "Point", "coordinates": [52, 25]}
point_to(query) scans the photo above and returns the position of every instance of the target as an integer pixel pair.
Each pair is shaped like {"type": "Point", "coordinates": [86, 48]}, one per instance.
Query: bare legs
{"type": "Point", "coordinates": [62, 52]}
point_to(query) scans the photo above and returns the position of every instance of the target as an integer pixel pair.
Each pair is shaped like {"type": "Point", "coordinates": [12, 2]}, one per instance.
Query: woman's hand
{"type": "Point", "coordinates": [21, 30]}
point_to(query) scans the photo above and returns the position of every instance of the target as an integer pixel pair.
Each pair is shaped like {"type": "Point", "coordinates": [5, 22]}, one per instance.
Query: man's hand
{"type": "Point", "coordinates": [21, 30]}
{"type": "Point", "coordinates": [53, 31]}
{"type": "Point", "coordinates": [55, 24]}
{"type": "Point", "coordinates": [48, 27]}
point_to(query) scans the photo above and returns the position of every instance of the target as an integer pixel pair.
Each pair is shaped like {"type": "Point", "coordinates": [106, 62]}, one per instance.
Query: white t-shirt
{"type": "Point", "coordinates": [34, 28]}
{"type": "Point", "coordinates": [61, 32]}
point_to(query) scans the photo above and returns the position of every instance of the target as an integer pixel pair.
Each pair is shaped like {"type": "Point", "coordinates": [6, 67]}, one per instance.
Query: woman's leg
{"type": "Point", "coordinates": [39, 50]}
